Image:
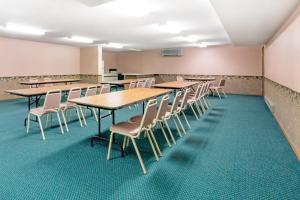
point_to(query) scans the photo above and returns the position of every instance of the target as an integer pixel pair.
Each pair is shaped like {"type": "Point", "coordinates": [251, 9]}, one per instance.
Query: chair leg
{"type": "Point", "coordinates": [204, 100]}
{"type": "Point", "coordinates": [191, 106]}
{"type": "Point", "coordinates": [79, 118]}
{"type": "Point", "coordinates": [219, 94]}
{"type": "Point", "coordinates": [109, 145]}
{"type": "Point", "coordinates": [83, 117]}
{"type": "Point", "coordinates": [164, 133]}
{"type": "Point", "coordinates": [155, 142]}
{"type": "Point", "coordinates": [65, 121]}
{"type": "Point", "coordinates": [198, 108]}
{"type": "Point", "coordinates": [223, 92]}
{"type": "Point", "coordinates": [177, 117]}
{"type": "Point", "coordinates": [124, 142]}
{"type": "Point", "coordinates": [59, 121]}
{"type": "Point", "coordinates": [152, 146]}
{"type": "Point", "coordinates": [95, 114]}
{"type": "Point", "coordinates": [47, 120]}
{"type": "Point", "coordinates": [170, 132]}
{"type": "Point", "coordinates": [41, 127]}
{"type": "Point", "coordinates": [187, 122]}
{"type": "Point", "coordinates": [202, 106]}
{"type": "Point", "coordinates": [139, 156]}
{"type": "Point", "coordinates": [28, 122]}
{"type": "Point", "coordinates": [178, 130]}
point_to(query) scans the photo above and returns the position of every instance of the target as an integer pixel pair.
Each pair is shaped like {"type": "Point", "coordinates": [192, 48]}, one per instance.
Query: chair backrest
{"type": "Point", "coordinates": [179, 78]}
{"type": "Point", "coordinates": [222, 83]}
{"type": "Point", "coordinates": [105, 89]}
{"type": "Point", "coordinates": [152, 82]}
{"type": "Point", "coordinates": [140, 84]}
{"type": "Point", "coordinates": [149, 114]}
{"type": "Point", "coordinates": [185, 98]}
{"type": "Point", "coordinates": [202, 90]}
{"type": "Point", "coordinates": [73, 94]}
{"type": "Point", "coordinates": [52, 100]}
{"type": "Point", "coordinates": [198, 90]}
{"type": "Point", "coordinates": [176, 102]}
{"type": "Point", "coordinates": [163, 107]}
{"type": "Point", "coordinates": [132, 85]}
{"type": "Point", "coordinates": [33, 80]}
{"type": "Point", "coordinates": [91, 91]}
{"type": "Point", "coordinates": [48, 84]}
{"type": "Point", "coordinates": [148, 83]}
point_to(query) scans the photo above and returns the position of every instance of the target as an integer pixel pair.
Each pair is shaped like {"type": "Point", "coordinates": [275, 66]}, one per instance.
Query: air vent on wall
{"type": "Point", "coordinates": [93, 3]}
{"type": "Point", "coordinates": [172, 52]}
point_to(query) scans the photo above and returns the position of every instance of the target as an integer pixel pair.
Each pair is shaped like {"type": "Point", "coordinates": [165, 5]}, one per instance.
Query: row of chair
{"type": "Point", "coordinates": [160, 114]}
{"type": "Point", "coordinates": [53, 104]}
{"type": "Point", "coordinates": [144, 83]}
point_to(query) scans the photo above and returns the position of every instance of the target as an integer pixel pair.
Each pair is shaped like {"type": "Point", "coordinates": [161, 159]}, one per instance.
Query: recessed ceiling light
{"type": "Point", "coordinates": [190, 38]}
{"type": "Point", "coordinates": [17, 28]}
{"type": "Point", "coordinates": [80, 39]}
{"type": "Point", "coordinates": [114, 45]}
{"type": "Point", "coordinates": [169, 27]}
{"type": "Point", "coordinates": [134, 8]}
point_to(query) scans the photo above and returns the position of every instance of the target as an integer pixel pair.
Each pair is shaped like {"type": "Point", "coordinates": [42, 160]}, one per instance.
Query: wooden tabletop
{"type": "Point", "coordinates": [41, 82]}
{"type": "Point", "coordinates": [43, 90]}
{"type": "Point", "coordinates": [175, 85]}
{"type": "Point", "coordinates": [120, 99]}
{"type": "Point", "coordinates": [200, 79]}
{"type": "Point", "coordinates": [120, 82]}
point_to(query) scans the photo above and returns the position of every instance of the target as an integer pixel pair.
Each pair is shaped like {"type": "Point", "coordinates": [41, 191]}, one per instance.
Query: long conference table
{"type": "Point", "coordinates": [176, 85]}
{"type": "Point", "coordinates": [43, 82]}
{"type": "Point", "coordinates": [37, 93]}
{"type": "Point", "coordinates": [202, 79]}
{"type": "Point", "coordinates": [117, 100]}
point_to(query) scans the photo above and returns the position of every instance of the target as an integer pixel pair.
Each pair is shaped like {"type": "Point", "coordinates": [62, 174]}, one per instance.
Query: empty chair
{"type": "Point", "coordinates": [173, 111]}
{"type": "Point", "coordinates": [218, 88]}
{"type": "Point", "coordinates": [33, 80]}
{"type": "Point", "coordinates": [148, 83]}
{"type": "Point", "coordinates": [105, 89]}
{"type": "Point", "coordinates": [51, 105]}
{"type": "Point", "coordinates": [91, 91]}
{"type": "Point", "coordinates": [132, 85]}
{"type": "Point", "coordinates": [68, 106]}
{"type": "Point", "coordinates": [140, 84]}
{"type": "Point", "coordinates": [152, 82]}
{"type": "Point", "coordinates": [183, 106]}
{"type": "Point", "coordinates": [179, 78]}
{"type": "Point", "coordinates": [48, 84]}
{"type": "Point", "coordinates": [132, 131]}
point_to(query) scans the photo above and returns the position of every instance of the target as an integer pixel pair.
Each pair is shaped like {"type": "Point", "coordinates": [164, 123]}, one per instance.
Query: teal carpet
{"type": "Point", "coordinates": [236, 151]}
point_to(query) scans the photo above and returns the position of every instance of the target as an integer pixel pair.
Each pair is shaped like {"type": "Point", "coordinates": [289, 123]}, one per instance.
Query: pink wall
{"type": "Point", "coordinates": [109, 59]}
{"type": "Point", "coordinates": [89, 60]}
{"type": "Point", "coordinates": [27, 58]}
{"type": "Point", "coordinates": [223, 60]}
{"type": "Point", "coordinates": [282, 55]}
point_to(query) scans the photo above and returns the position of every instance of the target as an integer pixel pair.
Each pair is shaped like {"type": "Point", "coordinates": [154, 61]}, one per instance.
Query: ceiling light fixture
{"type": "Point", "coordinates": [114, 45]}
{"type": "Point", "coordinates": [80, 39]}
{"type": "Point", "coordinates": [190, 38]}
{"type": "Point", "coordinates": [170, 27]}
{"type": "Point", "coordinates": [17, 28]}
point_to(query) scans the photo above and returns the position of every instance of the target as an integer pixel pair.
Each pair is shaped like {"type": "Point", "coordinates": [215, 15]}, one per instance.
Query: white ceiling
{"type": "Point", "coordinates": [246, 21]}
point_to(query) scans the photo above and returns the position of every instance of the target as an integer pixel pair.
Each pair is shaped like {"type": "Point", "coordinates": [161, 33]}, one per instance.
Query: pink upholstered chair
{"type": "Point", "coordinates": [173, 111]}
{"type": "Point", "coordinates": [179, 78]}
{"type": "Point", "coordinates": [132, 131]}
{"type": "Point", "coordinates": [148, 83]}
{"type": "Point", "coordinates": [68, 106]}
{"type": "Point", "coordinates": [132, 85]}
{"type": "Point", "coordinates": [152, 82]}
{"type": "Point", "coordinates": [91, 91]}
{"type": "Point", "coordinates": [33, 80]}
{"type": "Point", "coordinates": [218, 88]}
{"type": "Point", "coordinates": [105, 89]}
{"type": "Point", "coordinates": [193, 100]}
{"type": "Point", "coordinates": [51, 105]}
{"type": "Point", "coordinates": [141, 84]}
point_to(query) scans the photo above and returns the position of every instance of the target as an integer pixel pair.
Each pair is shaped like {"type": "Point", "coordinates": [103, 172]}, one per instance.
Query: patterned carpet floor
{"type": "Point", "coordinates": [236, 151]}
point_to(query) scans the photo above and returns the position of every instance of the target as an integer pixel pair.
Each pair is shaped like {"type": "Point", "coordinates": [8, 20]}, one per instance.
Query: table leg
{"type": "Point", "coordinates": [143, 107]}
{"type": "Point", "coordinates": [29, 107]}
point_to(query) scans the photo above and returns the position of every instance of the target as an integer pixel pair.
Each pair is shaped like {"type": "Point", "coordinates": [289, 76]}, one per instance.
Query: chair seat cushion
{"type": "Point", "coordinates": [136, 119]}
{"type": "Point", "coordinates": [40, 111]}
{"type": "Point", "coordinates": [126, 128]}
{"type": "Point", "coordinates": [65, 106]}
